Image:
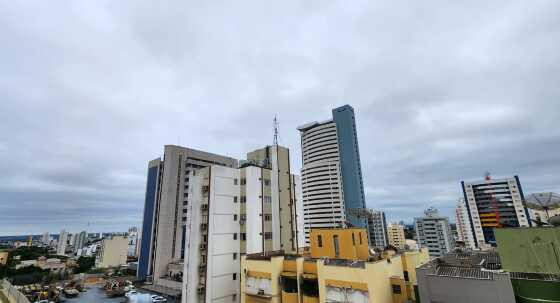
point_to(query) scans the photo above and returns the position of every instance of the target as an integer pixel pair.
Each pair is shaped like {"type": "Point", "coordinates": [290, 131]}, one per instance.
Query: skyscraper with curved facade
{"type": "Point", "coordinates": [331, 172]}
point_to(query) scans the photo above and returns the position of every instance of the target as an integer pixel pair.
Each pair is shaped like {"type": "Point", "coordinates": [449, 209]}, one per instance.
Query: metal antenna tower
{"type": "Point", "coordinates": [275, 124]}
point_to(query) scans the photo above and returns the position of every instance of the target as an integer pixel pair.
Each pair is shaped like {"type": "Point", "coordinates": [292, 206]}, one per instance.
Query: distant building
{"type": "Point", "coordinates": [465, 278]}
{"type": "Point", "coordinates": [331, 172]}
{"type": "Point", "coordinates": [395, 233]}
{"type": "Point", "coordinates": [112, 252]}
{"type": "Point", "coordinates": [62, 241]}
{"type": "Point", "coordinates": [46, 238]}
{"type": "Point", "coordinates": [52, 264]}
{"type": "Point", "coordinates": [132, 241]}
{"type": "Point", "coordinates": [377, 229]}
{"type": "Point", "coordinates": [434, 232]}
{"type": "Point", "coordinates": [464, 227]}
{"type": "Point", "coordinates": [492, 204]}
{"type": "Point", "coordinates": [337, 269]}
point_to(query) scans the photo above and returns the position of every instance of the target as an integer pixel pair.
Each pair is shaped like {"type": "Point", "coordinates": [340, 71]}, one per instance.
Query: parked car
{"type": "Point", "coordinates": [158, 299]}
{"type": "Point", "coordinates": [131, 293]}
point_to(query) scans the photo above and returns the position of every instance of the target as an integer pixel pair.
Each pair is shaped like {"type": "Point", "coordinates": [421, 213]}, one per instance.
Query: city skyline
{"type": "Point", "coordinates": [81, 118]}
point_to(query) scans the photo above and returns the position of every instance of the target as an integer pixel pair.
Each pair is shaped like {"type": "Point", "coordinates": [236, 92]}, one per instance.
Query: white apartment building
{"type": "Point", "coordinates": [434, 233]}
{"type": "Point", "coordinates": [112, 252]}
{"type": "Point", "coordinates": [464, 227]}
{"type": "Point", "coordinates": [377, 229]}
{"type": "Point", "coordinates": [61, 244]}
{"type": "Point", "coordinates": [247, 210]}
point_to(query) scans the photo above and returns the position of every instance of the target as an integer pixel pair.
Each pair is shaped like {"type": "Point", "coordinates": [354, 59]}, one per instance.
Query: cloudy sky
{"type": "Point", "coordinates": [92, 90]}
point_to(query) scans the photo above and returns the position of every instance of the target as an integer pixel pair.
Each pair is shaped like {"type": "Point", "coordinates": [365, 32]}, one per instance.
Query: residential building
{"type": "Point", "coordinates": [464, 227]}
{"type": "Point", "coordinates": [494, 203]}
{"type": "Point", "coordinates": [331, 172]}
{"type": "Point", "coordinates": [531, 256]}
{"type": "Point", "coordinates": [234, 211]}
{"type": "Point", "coordinates": [112, 252]}
{"type": "Point", "coordinates": [434, 232]}
{"type": "Point", "coordinates": [395, 235]}
{"type": "Point", "coordinates": [165, 208]}
{"type": "Point", "coordinates": [464, 278]}
{"type": "Point", "coordinates": [132, 241]}
{"type": "Point", "coordinates": [377, 229]}
{"type": "Point", "coordinates": [62, 242]}
{"type": "Point", "coordinates": [46, 238]}
{"type": "Point", "coordinates": [338, 268]}
{"type": "Point", "coordinates": [52, 264]}
{"type": "Point", "coordinates": [79, 240]}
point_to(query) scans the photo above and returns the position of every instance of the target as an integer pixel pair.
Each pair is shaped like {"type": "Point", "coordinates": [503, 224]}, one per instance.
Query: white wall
{"type": "Point", "coordinates": [253, 210]}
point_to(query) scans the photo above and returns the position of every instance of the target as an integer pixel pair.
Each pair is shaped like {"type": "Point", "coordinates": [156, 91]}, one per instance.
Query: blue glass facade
{"type": "Point", "coordinates": [147, 224]}
{"type": "Point", "coordinates": [350, 166]}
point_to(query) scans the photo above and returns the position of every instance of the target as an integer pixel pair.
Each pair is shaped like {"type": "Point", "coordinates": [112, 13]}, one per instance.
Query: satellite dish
{"type": "Point", "coordinates": [543, 201]}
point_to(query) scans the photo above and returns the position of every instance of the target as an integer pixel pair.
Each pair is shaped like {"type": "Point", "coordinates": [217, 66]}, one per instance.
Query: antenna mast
{"type": "Point", "coordinates": [275, 124]}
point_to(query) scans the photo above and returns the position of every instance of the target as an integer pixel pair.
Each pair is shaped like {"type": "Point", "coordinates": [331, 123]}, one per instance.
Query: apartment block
{"type": "Point", "coordinates": [62, 242]}
{"type": "Point", "coordinates": [331, 172]}
{"type": "Point", "coordinates": [235, 211]}
{"type": "Point", "coordinates": [395, 235]}
{"type": "Point", "coordinates": [494, 203]}
{"type": "Point", "coordinates": [112, 252]}
{"type": "Point", "coordinates": [434, 233]}
{"type": "Point", "coordinates": [338, 268]}
{"type": "Point", "coordinates": [464, 227]}
{"type": "Point", "coordinates": [165, 211]}
{"type": "Point", "coordinates": [377, 229]}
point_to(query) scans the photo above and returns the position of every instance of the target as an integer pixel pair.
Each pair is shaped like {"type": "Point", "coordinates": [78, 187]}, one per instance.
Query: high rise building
{"type": "Point", "coordinates": [81, 240]}
{"type": "Point", "coordinates": [395, 235]}
{"type": "Point", "coordinates": [46, 238]}
{"type": "Point", "coordinates": [494, 203]}
{"type": "Point", "coordinates": [377, 229]}
{"type": "Point", "coordinates": [62, 241]}
{"type": "Point", "coordinates": [331, 173]}
{"type": "Point", "coordinates": [251, 209]}
{"type": "Point", "coordinates": [434, 232]}
{"type": "Point", "coordinates": [132, 241]}
{"type": "Point", "coordinates": [464, 228]}
{"type": "Point", "coordinates": [112, 252]}
{"type": "Point", "coordinates": [165, 208]}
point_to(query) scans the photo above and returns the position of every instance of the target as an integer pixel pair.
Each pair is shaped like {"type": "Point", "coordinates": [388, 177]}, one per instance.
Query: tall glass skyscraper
{"type": "Point", "coordinates": [331, 172]}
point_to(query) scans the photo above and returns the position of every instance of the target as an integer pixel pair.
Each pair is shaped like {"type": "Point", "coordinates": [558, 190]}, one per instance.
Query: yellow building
{"type": "Point", "coordinates": [343, 272]}
{"type": "Point", "coordinates": [395, 233]}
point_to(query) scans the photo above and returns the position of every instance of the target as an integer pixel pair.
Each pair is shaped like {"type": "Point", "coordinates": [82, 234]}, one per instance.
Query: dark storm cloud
{"type": "Point", "coordinates": [89, 92]}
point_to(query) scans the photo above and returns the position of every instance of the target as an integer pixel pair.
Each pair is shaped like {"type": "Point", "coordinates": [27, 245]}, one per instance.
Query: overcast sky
{"type": "Point", "coordinates": [90, 91]}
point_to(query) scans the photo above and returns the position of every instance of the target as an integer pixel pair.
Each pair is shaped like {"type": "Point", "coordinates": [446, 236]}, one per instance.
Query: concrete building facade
{"type": "Point", "coordinates": [377, 229]}
{"type": "Point", "coordinates": [61, 244]}
{"type": "Point", "coordinates": [165, 209]}
{"type": "Point", "coordinates": [494, 203]}
{"type": "Point", "coordinates": [434, 233]}
{"type": "Point", "coordinates": [112, 252]}
{"type": "Point", "coordinates": [395, 235]}
{"type": "Point", "coordinates": [464, 228]}
{"type": "Point", "coordinates": [331, 172]}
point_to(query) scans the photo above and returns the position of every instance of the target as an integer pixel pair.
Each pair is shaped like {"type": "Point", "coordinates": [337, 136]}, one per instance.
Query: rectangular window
{"type": "Point", "coordinates": [405, 275]}
{"type": "Point", "coordinates": [319, 241]}
{"type": "Point", "coordinates": [336, 246]}
{"type": "Point", "coordinates": [235, 256]}
{"type": "Point", "coordinates": [267, 199]}
{"type": "Point", "coordinates": [243, 199]}
{"type": "Point", "coordinates": [235, 199]}
{"type": "Point", "coordinates": [234, 217]}
{"type": "Point", "coordinates": [396, 289]}
{"type": "Point", "coordinates": [266, 182]}
{"type": "Point", "coordinates": [267, 235]}
{"type": "Point", "coordinates": [235, 236]}
{"type": "Point", "coordinates": [234, 276]}
{"type": "Point", "coordinates": [243, 181]}
{"type": "Point", "coordinates": [243, 236]}
{"type": "Point", "coordinates": [360, 238]}
{"type": "Point", "coordinates": [235, 181]}
{"type": "Point", "coordinates": [267, 217]}
{"type": "Point", "coordinates": [353, 240]}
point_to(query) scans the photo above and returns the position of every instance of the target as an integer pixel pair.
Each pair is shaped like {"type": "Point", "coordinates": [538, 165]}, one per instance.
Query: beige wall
{"type": "Point", "coordinates": [113, 252]}
{"type": "Point", "coordinates": [3, 257]}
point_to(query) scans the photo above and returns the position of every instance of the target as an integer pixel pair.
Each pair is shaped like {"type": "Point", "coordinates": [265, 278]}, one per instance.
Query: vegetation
{"type": "Point", "coordinates": [85, 264]}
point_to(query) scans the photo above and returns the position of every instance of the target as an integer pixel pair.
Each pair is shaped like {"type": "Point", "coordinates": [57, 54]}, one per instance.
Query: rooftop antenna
{"type": "Point", "coordinates": [275, 124]}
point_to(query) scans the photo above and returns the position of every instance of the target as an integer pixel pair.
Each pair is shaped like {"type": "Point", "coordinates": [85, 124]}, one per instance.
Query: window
{"type": "Point", "coordinates": [235, 276]}
{"type": "Point", "coordinates": [319, 241]}
{"type": "Point", "coordinates": [243, 236]}
{"type": "Point", "coordinates": [405, 275]}
{"type": "Point", "coordinates": [243, 181]}
{"type": "Point", "coordinates": [234, 298]}
{"type": "Point", "coordinates": [267, 199]}
{"type": "Point", "coordinates": [243, 199]}
{"type": "Point", "coordinates": [396, 289]}
{"type": "Point", "coordinates": [235, 199]}
{"type": "Point", "coordinates": [267, 182]}
{"type": "Point", "coordinates": [235, 256]}
{"type": "Point", "coordinates": [267, 217]}
{"type": "Point", "coordinates": [360, 238]}
{"type": "Point", "coordinates": [267, 235]}
{"type": "Point", "coordinates": [234, 217]}
{"type": "Point", "coordinates": [235, 236]}
{"type": "Point", "coordinates": [235, 181]}
{"type": "Point", "coordinates": [336, 246]}
{"type": "Point", "coordinates": [353, 239]}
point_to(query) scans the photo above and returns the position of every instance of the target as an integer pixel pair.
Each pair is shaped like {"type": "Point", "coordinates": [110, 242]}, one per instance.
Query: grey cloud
{"type": "Point", "coordinates": [89, 92]}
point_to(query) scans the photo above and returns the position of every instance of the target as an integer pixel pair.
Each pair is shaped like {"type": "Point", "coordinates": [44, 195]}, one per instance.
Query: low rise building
{"type": "Point", "coordinates": [52, 264]}
{"type": "Point", "coordinates": [338, 268]}
{"type": "Point", "coordinates": [4, 257]}
{"type": "Point", "coordinates": [464, 278]}
{"type": "Point", "coordinates": [112, 252]}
